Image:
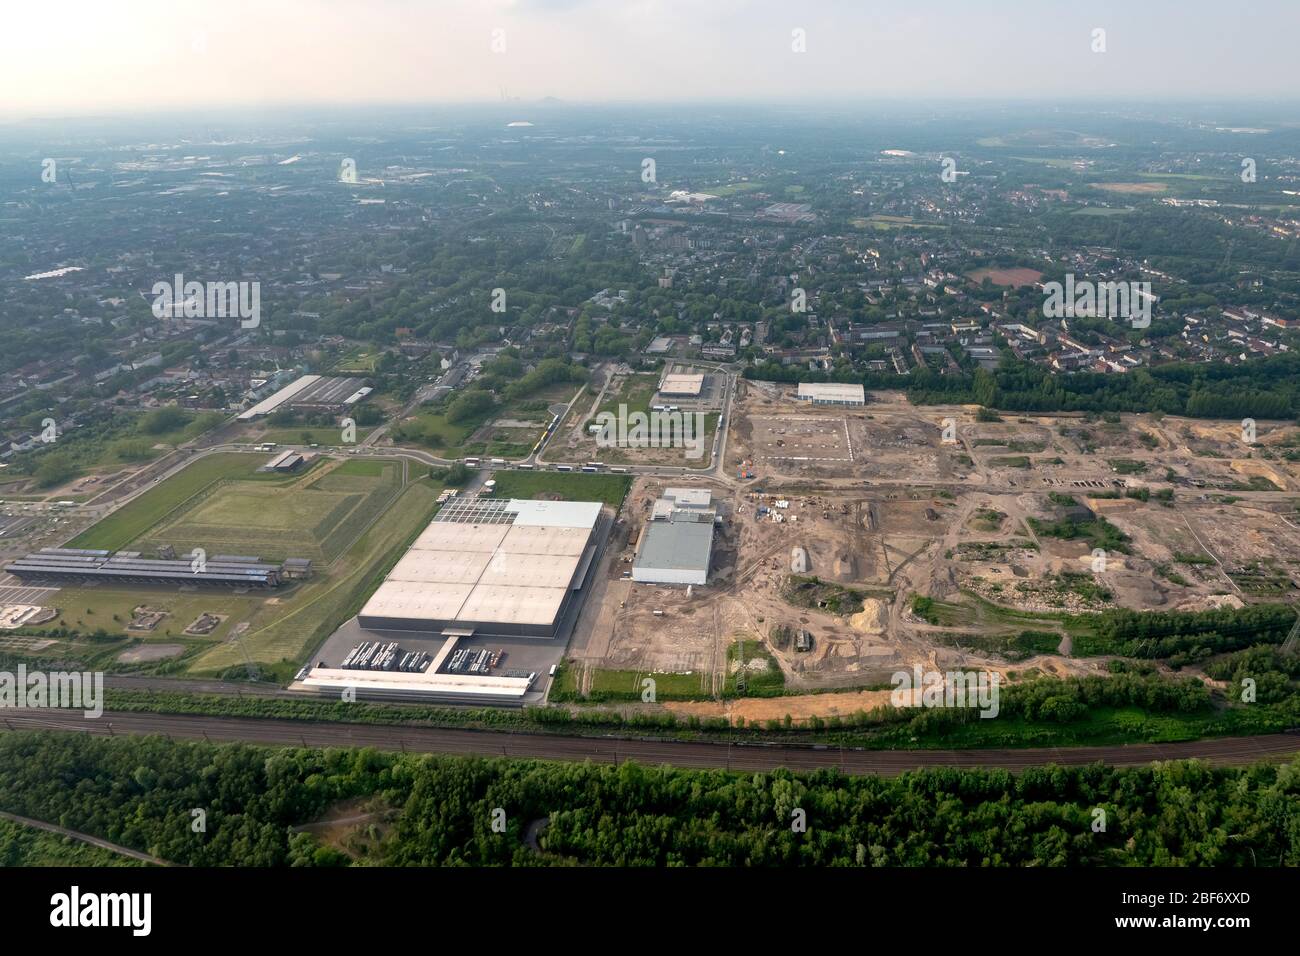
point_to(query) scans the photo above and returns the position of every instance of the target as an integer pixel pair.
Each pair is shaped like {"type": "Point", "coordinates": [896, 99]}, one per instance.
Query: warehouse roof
{"type": "Point", "coordinates": [271, 403]}
{"type": "Point", "coordinates": [490, 561]}
{"type": "Point", "coordinates": [833, 392]}
{"type": "Point", "coordinates": [682, 384]}
{"type": "Point", "coordinates": [677, 545]}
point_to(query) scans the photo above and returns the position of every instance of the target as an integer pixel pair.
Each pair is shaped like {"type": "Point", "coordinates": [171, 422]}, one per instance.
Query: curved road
{"type": "Point", "coordinates": [1225, 750]}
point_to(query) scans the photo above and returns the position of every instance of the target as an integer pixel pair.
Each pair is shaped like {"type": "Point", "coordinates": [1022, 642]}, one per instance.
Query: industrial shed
{"type": "Point", "coordinates": [677, 545]}
{"type": "Point", "coordinates": [492, 567]}
{"type": "Point", "coordinates": [832, 393]}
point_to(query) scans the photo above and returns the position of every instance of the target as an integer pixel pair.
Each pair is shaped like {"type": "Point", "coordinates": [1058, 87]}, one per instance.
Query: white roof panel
{"type": "Point", "coordinates": [513, 605]}
{"type": "Point", "coordinates": [440, 567]}
{"type": "Point", "coordinates": [529, 570]}
{"type": "Point", "coordinates": [417, 601]}
{"type": "Point", "coordinates": [451, 536]}
{"type": "Point", "coordinates": [539, 540]}
{"type": "Point", "coordinates": [555, 514]}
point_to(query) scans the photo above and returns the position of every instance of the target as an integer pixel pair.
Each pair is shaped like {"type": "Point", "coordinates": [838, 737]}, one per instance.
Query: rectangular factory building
{"type": "Point", "coordinates": [507, 568]}
{"type": "Point", "coordinates": [681, 385]}
{"type": "Point", "coordinates": [316, 392]}
{"type": "Point", "coordinates": [832, 393]}
{"type": "Point", "coordinates": [677, 544]}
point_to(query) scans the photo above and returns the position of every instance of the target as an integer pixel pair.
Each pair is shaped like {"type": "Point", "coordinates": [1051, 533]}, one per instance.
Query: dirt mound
{"type": "Point", "coordinates": [872, 618]}
{"type": "Point", "coordinates": [1211, 602]}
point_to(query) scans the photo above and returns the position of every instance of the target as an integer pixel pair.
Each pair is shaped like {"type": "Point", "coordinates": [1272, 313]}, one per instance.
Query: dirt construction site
{"type": "Point", "coordinates": [835, 520]}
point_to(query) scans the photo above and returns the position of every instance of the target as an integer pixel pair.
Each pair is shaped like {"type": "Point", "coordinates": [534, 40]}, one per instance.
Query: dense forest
{"type": "Point", "coordinates": [144, 793]}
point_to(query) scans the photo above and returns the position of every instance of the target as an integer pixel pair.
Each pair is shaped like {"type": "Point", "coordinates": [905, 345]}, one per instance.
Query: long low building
{"type": "Point", "coordinates": [489, 566]}
{"type": "Point", "coordinates": [312, 392]}
{"type": "Point", "coordinates": [832, 393]}
{"type": "Point", "coordinates": [77, 565]}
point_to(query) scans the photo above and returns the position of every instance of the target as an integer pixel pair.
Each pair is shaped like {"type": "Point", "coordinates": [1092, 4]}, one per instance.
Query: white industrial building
{"type": "Point", "coordinates": [676, 545]}
{"type": "Point", "coordinates": [681, 385]}
{"type": "Point", "coordinates": [489, 566]}
{"type": "Point", "coordinates": [832, 393]}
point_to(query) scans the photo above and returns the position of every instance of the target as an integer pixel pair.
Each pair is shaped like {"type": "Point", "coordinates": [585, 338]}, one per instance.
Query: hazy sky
{"type": "Point", "coordinates": [124, 55]}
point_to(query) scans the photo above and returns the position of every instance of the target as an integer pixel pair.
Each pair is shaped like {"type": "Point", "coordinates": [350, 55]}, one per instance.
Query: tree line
{"type": "Point", "coordinates": [143, 792]}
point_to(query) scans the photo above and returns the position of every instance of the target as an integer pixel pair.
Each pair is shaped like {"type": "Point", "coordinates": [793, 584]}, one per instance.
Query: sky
{"type": "Point", "coordinates": [94, 56]}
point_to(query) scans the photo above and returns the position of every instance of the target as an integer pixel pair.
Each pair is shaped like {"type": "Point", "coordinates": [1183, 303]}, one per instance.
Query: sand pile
{"type": "Point", "coordinates": [871, 619]}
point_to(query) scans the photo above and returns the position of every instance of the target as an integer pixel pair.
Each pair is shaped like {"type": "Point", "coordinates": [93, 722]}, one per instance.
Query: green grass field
{"type": "Point", "coordinates": [131, 521]}
{"type": "Point", "coordinates": [609, 684]}
{"type": "Point", "coordinates": [88, 609]}
{"type": "Point", "coordinates": [611, 489]}
{"type": "Point", "coordinates": [325, 602]}
{"type": "Point", "coordinates": [315, 517]}
{"type": "Point", "coordinates": [636, 393]}
{"type": "Point", "coordinates": [430, 429]}
{"type": "Point", "coordinates": [221, 504]}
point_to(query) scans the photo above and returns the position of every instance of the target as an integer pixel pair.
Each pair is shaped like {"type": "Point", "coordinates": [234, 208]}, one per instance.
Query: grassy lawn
{"type": "Point", "coordinates": [131, 521]}
{"type": "Point", "coordinates": [326, 601]}
{"type": "Point", "coordinates": [358, 360]}
{"type": "Point", "coordinates": [90, 608]}
{"type": "Point", "coordinates": [636, 393]}
{"type": "Point", "coordinates": [762, 674]}
{"type": "Point", "coordinates": [562, 486]}
{"type": "Point", "coordinates": [628, 685]}
{"type": "Point", "coordinates": [430, 429]}
{"type": "Point", "coordinates": [535, 406]}
{"type": "Point", "coordinates": [732, 189]}
{"type": "Point", "coordinates": [126, 439]}
{"type": "Point", "coordinates": [315, 517]}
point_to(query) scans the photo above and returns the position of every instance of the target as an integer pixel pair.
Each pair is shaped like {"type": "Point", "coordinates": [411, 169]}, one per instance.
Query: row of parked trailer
{"type": "Point", "coordinates": [385, 656]}
{"type": "Point", "coordinates": [590, 468]}
{"type": "Point", "coordinates": [474, 661]}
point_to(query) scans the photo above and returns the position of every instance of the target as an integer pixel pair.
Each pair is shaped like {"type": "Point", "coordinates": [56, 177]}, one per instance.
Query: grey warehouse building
{"type": "Point", "coordinates": [507, 568]}
{"type": "Point", "coordinates": [677, 544]}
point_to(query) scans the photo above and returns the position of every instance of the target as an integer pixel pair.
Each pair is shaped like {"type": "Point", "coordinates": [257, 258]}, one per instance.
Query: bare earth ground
{"type": "Point", "coordinates": [882, 504]}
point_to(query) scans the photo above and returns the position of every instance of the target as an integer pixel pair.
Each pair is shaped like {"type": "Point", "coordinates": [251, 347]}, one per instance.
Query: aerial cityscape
{"type": "Point", "coordinates": [530, 464]}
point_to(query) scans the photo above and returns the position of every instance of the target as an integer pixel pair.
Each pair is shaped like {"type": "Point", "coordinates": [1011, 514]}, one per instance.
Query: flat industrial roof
{"type": "Point", "coordinates": [511, 604]}
{"type": "Point", "coordinates": [417, 600]}
{"type": "Point", "coordinates": [274, 401]}
{"type": "Point", "coordinates": [833, 392]}
{"type": "Point", "coordinates": [676, 545]}
{"type": "Point", "coordinates": [429, 682]}
{"type": "Point", "coordinates": [446, 536]}
{"type": "Point", "coordinates": [490, 561]}
{"type": "Point", "coordinates": [679, 383]}
{"type": "Point", "coordinates": [689, 497]}
{"type": "Point", "coordinates": [440, 567]}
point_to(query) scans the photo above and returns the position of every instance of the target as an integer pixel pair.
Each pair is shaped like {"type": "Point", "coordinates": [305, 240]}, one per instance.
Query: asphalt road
{"type": "Point", "coordinates": [1226, 750]}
